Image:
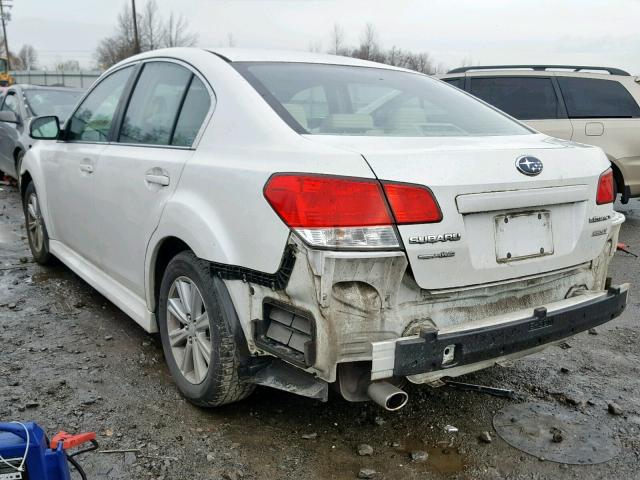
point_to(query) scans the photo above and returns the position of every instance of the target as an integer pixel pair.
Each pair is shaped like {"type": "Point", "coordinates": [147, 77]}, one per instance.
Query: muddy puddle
{"type": "Point", "coordinates": [49, 275]}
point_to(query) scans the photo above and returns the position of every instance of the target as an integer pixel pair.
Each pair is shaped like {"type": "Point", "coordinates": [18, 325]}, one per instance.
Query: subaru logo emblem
{"type": "Point", "coordinates": [529, 165]}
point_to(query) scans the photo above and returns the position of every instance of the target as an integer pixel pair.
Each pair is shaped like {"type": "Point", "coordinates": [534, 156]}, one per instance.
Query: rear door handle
{"type": "Point", "coordinates": [162, 180]}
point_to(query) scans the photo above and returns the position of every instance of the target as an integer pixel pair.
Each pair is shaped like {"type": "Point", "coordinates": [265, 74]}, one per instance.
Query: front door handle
{"type": "Point", "coordinates": [162, 180]}
{"type": "Point", "coordinates": [86, 168]}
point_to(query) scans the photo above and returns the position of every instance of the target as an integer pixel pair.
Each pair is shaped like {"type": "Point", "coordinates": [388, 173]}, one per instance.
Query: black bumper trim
{"type": "Point", "coordinates": [275, 281]}
{"type": "Point", "coordinates": [425, 353]}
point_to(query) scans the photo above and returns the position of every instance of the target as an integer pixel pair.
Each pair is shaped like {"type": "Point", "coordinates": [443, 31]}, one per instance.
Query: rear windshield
{"type": "Point", "coordinates": [51, 102]}
{"type": "Point", "coordinates": [345, 100]}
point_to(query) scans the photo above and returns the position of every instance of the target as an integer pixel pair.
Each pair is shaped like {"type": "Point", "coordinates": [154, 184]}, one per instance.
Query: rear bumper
{"type": "Point", "coordinates": [433, 351]}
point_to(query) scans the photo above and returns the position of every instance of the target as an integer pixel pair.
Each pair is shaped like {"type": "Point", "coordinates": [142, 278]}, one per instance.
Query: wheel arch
{"type": "Point", "coordinates": [16, 152]}
{"type": "Point", "coordinates": [617, 176]}
{"type": "Point", "coordinates": [167, 248]}
{"type": "Point", "coordinates": [32, 172]}
{"type": "Point", "coordinates": [186, 224]}
{"type": "Point", "coordinates": [25, 179]}
{"type": "Point", "coordinates": [159, 254]}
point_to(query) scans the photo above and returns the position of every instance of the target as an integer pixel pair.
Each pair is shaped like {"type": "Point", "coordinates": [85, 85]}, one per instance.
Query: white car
{"type": "Point", "coordinates": [300, 220]}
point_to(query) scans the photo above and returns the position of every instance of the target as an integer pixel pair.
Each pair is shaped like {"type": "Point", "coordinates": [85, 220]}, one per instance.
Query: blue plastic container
{"type": "Point", "coordinates": [42, 462]}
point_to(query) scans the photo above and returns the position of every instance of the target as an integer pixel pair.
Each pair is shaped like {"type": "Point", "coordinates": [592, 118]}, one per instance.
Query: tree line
{"type": "Point", "coordinates": [154, 31]}
{"type": "Point", "coordinates": [25, 59]}
{"type": "Point", "coordinates": [369, 48]}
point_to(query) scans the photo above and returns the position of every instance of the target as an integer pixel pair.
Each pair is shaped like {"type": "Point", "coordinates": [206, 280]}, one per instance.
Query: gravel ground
{"type": "Point", "coordinates": [71, 360]}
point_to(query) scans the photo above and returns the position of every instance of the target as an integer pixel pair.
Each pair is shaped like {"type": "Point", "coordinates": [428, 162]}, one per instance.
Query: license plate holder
{"type": "Point", "coordinates": [524, 235]}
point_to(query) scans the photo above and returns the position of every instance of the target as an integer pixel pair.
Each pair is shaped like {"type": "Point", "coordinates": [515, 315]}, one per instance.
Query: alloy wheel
{"type": "Point", "coordinates": [34, 223]}
{"type": "Point", "coordinates": [188, 330]}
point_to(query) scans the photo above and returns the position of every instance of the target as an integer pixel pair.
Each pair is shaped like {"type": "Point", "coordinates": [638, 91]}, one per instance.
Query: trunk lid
{"type": "Point", "coordinates": [498, 223]}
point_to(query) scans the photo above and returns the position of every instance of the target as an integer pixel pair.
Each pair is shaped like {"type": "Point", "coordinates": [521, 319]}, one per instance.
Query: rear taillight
{"type": "Point", "coordinates": [346, 212]}
{"type": "Point", "coordinates": [317, 201]}
{"type": "Point", "coordinates": [605, 188]}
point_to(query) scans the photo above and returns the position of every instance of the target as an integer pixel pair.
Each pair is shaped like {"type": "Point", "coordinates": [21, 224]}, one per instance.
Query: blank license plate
{"type": "Point", "coordinates": [523, 235]}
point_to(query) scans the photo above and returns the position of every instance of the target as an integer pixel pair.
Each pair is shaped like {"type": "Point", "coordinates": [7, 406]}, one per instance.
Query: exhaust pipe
{"type": "Point", "coordinates": [387, 396]}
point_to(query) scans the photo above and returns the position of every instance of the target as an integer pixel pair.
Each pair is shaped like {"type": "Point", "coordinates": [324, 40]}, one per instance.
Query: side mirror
{"type": "Point", "coordinates": [45, 128]}
{"type": "Point", "coordinates": [8, 116]}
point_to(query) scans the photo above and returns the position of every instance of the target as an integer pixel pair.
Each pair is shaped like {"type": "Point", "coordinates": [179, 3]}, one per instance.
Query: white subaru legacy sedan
{"type": "Point", "coordinates": [299, 221]}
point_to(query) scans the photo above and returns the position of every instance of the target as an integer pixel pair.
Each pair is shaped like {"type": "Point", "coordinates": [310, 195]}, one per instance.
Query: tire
{"type": "Point", "coordinates": [18, 166]}
{"type": "Point", "coordinates": [36, 229]}
{"type": "Point", "coordinates": [195, 339]}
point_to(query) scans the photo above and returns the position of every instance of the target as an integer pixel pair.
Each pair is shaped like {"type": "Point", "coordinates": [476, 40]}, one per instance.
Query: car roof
{"type": "Point", "coordinates": [263, 55]}
{"type": "Point", "coordinates": [291, 56]}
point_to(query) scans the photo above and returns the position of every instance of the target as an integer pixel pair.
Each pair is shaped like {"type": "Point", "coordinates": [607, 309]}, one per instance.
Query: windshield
{"type": "Point", "coordinates": [326, 99]}
{"type": "Point", "coordinates": [60, 103]}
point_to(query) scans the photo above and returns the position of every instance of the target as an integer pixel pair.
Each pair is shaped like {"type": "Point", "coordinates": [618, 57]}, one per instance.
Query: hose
{"type": "Point", "coordinates": [77, 466]}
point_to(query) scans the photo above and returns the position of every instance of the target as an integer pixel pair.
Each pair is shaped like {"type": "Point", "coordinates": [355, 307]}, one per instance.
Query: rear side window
{"type": "Point", "coordinates": [595, 98]}
{"type": "Point", "coordinates": [196, 106]}
{"type": "Point", "coordinates": [92, 120]}
{"type": "Point", "coordinates": [155, 104]}
{"type": "Point", "coordinates": [525, 98]}
{"type": "Point", "coordinates": [456, 82]}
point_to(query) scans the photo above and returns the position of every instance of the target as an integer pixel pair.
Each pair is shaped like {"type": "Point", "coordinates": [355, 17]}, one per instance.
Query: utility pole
{"type": "Point", "coordinates": [4, 33]}
{"type": "Point", "coordinates": [135, 26]}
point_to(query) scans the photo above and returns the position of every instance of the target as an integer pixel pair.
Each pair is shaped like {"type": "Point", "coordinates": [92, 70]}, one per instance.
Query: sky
{"type": "Point", "coordinates": [594, 32]}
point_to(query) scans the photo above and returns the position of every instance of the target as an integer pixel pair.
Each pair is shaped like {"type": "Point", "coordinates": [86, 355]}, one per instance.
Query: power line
{"type": "Point", "coordinates": [4, 32]}
{"type": "Point", "coordinates": [66, 51]}
{"type": "Point", "coordinates": [135, 26]}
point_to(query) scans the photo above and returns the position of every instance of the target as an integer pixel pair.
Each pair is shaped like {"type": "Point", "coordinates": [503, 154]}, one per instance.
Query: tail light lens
{"type": "Point", "coordinates": [412, 203]}
{"type": "Point", "coordinates": [605, 188]}
{"type": "Point", "coordinates": [318, 201]}
{"type": "Point", "coordinates": [346, 212]}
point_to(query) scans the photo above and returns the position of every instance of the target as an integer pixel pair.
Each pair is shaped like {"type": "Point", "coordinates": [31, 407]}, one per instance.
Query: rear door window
{"type": "Point", "coordinates": [156, 100]}
{"type": "Point", "coordinates": [194, 110]}
{"type": "Point", "coordinates": [596, 98]}
{"type": "Point", "coordinates": [525, 98]}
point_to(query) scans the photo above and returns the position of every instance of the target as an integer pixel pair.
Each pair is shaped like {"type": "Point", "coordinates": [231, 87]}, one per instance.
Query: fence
{"type": "Point", "coordinates": [59, 79]}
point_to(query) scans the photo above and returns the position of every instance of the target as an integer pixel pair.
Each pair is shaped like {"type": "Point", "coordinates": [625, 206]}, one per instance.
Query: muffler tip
{"type": "Point", "coordinates": [396, 401]}
{"type": "Point", "coordinates": [387, 396]}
